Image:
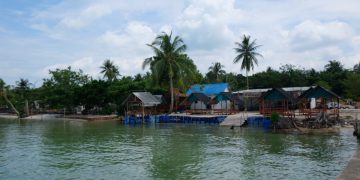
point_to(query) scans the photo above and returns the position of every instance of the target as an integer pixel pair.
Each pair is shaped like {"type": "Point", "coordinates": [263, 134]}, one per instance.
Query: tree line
{"type": "Point", "coordinates": [169, 67]}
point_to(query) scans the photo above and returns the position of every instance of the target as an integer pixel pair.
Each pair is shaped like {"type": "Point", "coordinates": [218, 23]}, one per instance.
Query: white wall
{"type": "Point", "coordinates": [198, 105]}
{"type": "Point", "coordinates": [225, 104]}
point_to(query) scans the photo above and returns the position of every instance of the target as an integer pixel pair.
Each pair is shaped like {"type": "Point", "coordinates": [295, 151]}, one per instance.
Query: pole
{"type": "Point", "coordinates": [143, 112]}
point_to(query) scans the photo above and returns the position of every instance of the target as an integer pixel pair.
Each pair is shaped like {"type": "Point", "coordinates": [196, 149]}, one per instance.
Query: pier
{"type": "Point", "coordinates": [175, 118]}
{"type": "Point", "coordinates": [239, 119]}
{"type": "Point", "coordinates": [352, 170]}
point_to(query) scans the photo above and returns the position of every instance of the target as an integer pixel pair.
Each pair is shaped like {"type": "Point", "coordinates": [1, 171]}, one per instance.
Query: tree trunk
{"type": "Point", "coordinates": [247, 87]}
{"type": "Point", "coordinates": [172, 96]}
{"type": "Point", "coordinates": [9, 102]}
{"type": "Point", "coordinates": [26, 108]}
{"type": "Point", "coordinates": [247, 80]}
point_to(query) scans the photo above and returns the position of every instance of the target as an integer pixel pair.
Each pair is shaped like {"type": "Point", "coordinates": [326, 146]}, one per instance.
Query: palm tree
{"type": "Point", "coordinates": [246, 52]}
{"type": "Point", "coordinates": [357, 67]}
{"type": "Point", "coordinates": [216, 70]}
{"type": "Point", "coordinates": [110, 71]}
{"type": "Point", "coordinates": [23, 89]}
{"type": "Point", "coordinates": [169, 62]}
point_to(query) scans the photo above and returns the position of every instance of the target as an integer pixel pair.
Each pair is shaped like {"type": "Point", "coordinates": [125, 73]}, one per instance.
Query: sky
{"type": "Point", "coordinates": [36, 36]}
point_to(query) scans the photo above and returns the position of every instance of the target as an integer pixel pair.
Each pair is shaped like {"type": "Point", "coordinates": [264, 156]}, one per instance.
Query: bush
{"type": "Point", "coordinates": [274, 117]}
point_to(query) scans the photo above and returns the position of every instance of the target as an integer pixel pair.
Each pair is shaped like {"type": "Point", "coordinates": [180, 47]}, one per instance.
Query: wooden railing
{"type": "Point", "coordinates": [211, 111]}
{"type": "Point", "coordinates": [284, 112]}
{"type": "Point", "coordinates": [310, 113]}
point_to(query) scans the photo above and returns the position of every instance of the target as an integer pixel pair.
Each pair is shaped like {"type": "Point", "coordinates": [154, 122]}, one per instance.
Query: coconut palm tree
{"type": "Point", "coordinates": [216, 70]}
{"type": "Point", "coordinates": [169, 61]}
{"type": "Point", "coordinates": [23, 89]}
{"type": "Point", "coordinates": [246, 53]}
{"type": "Point", "coordinates": [110, 71]}
{"type": "Point", "coordinates": [357, 67]}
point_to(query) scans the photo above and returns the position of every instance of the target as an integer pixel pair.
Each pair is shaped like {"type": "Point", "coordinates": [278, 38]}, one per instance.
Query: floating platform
{"type": "Point", "coordinates": [239, 119]}
{"type": "Point", "coordinates": [175, 118]}
{"type": "Point", "coordinates": [92, 117]}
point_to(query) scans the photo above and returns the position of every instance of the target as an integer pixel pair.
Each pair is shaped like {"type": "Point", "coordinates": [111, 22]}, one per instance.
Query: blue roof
{"type": "Point", "coordinates": [208, 89]}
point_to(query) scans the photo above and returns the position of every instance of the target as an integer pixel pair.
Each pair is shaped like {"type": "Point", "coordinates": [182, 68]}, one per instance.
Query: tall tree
{"type": "Point", "coordinates": [334, 75]}
{"type": "Point", "coordinates": [246, 53]}
{"type": "Point", "coordinates": [357, 67]}
{"type": "Point", "coordinates": [352, 84]}
{"type": "Point", "coordinates": [215, 72]}
{"type": "Point", "coordinates": [59, 89]}
{"type": "Point", "coordinates": [110, 70]}
{"type": "Point", "coordinates": [23, 90]}
{"type": "Point", "coordinates": [3, 92]}
{"type": "Point", "coordinates": [169, 59]}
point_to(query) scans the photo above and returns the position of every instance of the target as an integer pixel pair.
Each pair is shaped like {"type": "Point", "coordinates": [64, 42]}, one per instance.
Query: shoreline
{"type": "Point", "coordinates": [41, 117]}
{"type": "Point", "coordinates": [352, 169]}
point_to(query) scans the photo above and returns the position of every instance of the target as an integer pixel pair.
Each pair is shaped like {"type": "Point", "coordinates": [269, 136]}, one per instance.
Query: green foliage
{"type": "Point", "coordinates": [352, 85]}
{"type": "Point", "coordinates": [59, 90]}
{"type": "Point", "coordinates": [67, 88]}
{"type": "Point", "coordinates": [274, 117]}
{"type": "Point", "coordinates": [92, 94]}
{"type": "Point", "coordinates": [246, 53]}
{"type": "Point", "coordinates": [23, 88]}
{"type": "Point", "coordinates": [334, 75]}
{"type": "Point", "coordinates": [110, 71]}
{"type": "Point", "coordinates": [169, 62]}
{"type": "Point", "coordinates": [2, 100]}
{"type": "Point", "coordinates": [357, 68]}
{"type": "Point", "coordinates": [267, 79]}
{"type": "Point", "coordinates": [323, 84]}
{"type": "Point", "coordinates": [216, 72]}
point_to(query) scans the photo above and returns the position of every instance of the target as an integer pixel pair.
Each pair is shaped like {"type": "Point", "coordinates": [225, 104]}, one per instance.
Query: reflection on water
{"type": "Point", "coordinates": [109, 150]}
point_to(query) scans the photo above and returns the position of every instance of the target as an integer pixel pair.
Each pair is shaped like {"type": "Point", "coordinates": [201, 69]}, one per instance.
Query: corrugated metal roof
{"type": "Point", "coordinates": [318, 92]}
{"type": "Point", "coordinates": [296, 88]}
{"type": "Point", "coordinates": [276, 94]}
{"type": "Point", "coordinates": [208, 89]}
{"type": "Point", "coordinates": [160, 98]}
{"type": "Point", "coordinates": [146, 98]}
{"type": "Point", "coordinates": [266, 89]}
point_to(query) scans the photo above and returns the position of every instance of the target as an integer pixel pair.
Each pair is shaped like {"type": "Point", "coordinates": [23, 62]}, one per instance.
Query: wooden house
{"type": "Point", "coordinates": [276, 100]}
{"type": "Point", "coordinates": [141, 103]}
{"type": "Point", "coordinates": [314, 101]}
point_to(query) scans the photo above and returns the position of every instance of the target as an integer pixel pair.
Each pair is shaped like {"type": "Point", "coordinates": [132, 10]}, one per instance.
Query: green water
{"type": "Point", "coordinates": [55, 149]}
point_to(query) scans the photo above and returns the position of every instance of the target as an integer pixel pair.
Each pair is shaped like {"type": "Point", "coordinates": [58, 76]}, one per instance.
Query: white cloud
{"type": "Point", "coordinates": [314, 34]}
{"type": "Point", "coordinates": [91, 66]}
{"type": "Point", "coordinates": [130, 42]}
{"type": "Point", "coordinates": [86, 16]}
{"type": "Point", "coordinates": [87, 64]}
{"type": "Point", "coordinates": [84, 33]}
{"type": "Point", "coordinates": [206, 24]}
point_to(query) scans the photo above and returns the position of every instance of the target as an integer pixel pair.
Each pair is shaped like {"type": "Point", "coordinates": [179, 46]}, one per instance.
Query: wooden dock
{"type": "Point", "coordinates": [238, 119]}
{"type": "Point", "coordinates": [352, 170]}
{"type": "Point", "coordinates": [92, 117]}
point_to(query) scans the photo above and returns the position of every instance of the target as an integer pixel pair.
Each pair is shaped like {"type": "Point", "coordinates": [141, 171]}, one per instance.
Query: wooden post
{"type": "Point", "coordinates": [143, 112]}
{"type": "Point", "coordinates": [221, 107]}
{"type": "Point", "coordinates": [26, 108]}
{"type": "Point", "coordinates": [226, 106]}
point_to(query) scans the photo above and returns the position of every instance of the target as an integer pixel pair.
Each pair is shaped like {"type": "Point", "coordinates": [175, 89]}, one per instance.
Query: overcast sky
{"type": "Point", "coordinates": [36, 36]}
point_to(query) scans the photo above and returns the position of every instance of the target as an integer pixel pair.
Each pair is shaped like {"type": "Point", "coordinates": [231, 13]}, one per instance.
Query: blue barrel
{"type": "Point", "coordinates": [266, 123]}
